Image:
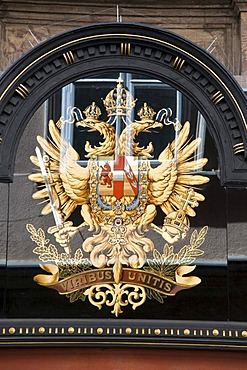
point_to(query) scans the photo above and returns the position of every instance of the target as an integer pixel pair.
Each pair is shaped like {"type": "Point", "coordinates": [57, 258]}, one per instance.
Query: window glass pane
{"type": "Point", "coordinates": [207, 300]}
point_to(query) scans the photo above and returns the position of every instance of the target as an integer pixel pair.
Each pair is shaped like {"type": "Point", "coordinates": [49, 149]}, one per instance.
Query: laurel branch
{"type": "Point", "coordinates": [67, 264]}
{"type": "Point", "coordinates": [166, 264]}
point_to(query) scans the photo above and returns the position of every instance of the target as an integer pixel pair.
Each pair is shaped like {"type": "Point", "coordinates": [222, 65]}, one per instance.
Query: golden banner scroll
{"type": "Point", "coordinates": [142, 278]}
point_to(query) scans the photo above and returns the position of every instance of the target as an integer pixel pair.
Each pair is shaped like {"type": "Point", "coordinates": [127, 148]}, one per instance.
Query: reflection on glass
{"type": "Point", "coordinates": [129, 176]}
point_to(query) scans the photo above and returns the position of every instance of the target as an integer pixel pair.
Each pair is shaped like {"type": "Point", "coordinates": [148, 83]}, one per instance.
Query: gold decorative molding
{"type": "Point", "coordinates": [217, 97]}
{"type": "Point", "coordinates": [100, 331]}
{"type": "Point", "coordinates": [133, 331]}
{"type": "Point", "coordinates": [73, 42]}
{"type": "Point", "coordinates": [157, 331]}
{"type": "Point", "coordinates": [11, 330]}
{"type": "Point", "coordinates": [128, 330]}
{"type": "Point", "coordinates": [215, 332]}
{"type": "Point", "coordinates": [22, 91]}
{"type": "Point", "coordinates": [238, 148]}
{"type": "Point", "coordinates": [69, 57]}
{"type": "Point", "coordinates": [71, 330]}
{"type": "Point", "coordinates": [125, 48]}
{"type": "Point", "coordinates": [124, 343]}
{"type": "Point", "coordinates": [178, 63]}
{"type": "Point", "coordinates": [41, 330]}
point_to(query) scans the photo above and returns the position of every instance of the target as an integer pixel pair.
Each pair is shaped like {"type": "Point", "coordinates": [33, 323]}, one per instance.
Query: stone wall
{"type": "Point", "coordinates": [218, 26]}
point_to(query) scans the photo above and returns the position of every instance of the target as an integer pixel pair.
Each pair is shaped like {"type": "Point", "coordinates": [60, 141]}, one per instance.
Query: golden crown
{"type": "Point", "coordinates": [119, 100]}
{"type": "Point", "coordinates": [92, 112]}
{"type": "Point", "coordinates": [146, 113]}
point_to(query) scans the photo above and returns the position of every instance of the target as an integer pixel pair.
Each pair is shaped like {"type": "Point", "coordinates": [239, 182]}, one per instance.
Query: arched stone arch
{"type": "Point", "coordinates": [135, 48]}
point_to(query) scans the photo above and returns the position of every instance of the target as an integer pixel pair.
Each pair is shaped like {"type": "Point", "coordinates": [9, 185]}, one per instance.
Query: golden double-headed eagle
{"type": "Point", "coordinates": [119, 222]}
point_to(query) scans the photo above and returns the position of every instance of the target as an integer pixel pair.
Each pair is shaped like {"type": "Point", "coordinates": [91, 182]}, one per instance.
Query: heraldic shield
{"type": "Point", "coordinates": [118, 189]}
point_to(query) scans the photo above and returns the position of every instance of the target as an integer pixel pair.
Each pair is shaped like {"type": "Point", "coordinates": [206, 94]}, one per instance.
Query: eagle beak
{"type": "Point", "coordinates": [153, 125]}
{"type": "Point", "coordinates": [80, 123]}
{"type": "Point", "coordinates": [84, 123]}
{"type": "Point", "coordinates": [157, 124]}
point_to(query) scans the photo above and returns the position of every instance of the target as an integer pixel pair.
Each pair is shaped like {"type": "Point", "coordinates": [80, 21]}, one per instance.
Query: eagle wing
{"type": "Point", "coordinates": [174, 175]}
{"type": "Point", "coordinates": [69, 181]}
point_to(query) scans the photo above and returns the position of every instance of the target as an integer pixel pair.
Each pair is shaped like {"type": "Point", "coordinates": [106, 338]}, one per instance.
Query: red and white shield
{"type": "Point", "coordinates": [118, 176]}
